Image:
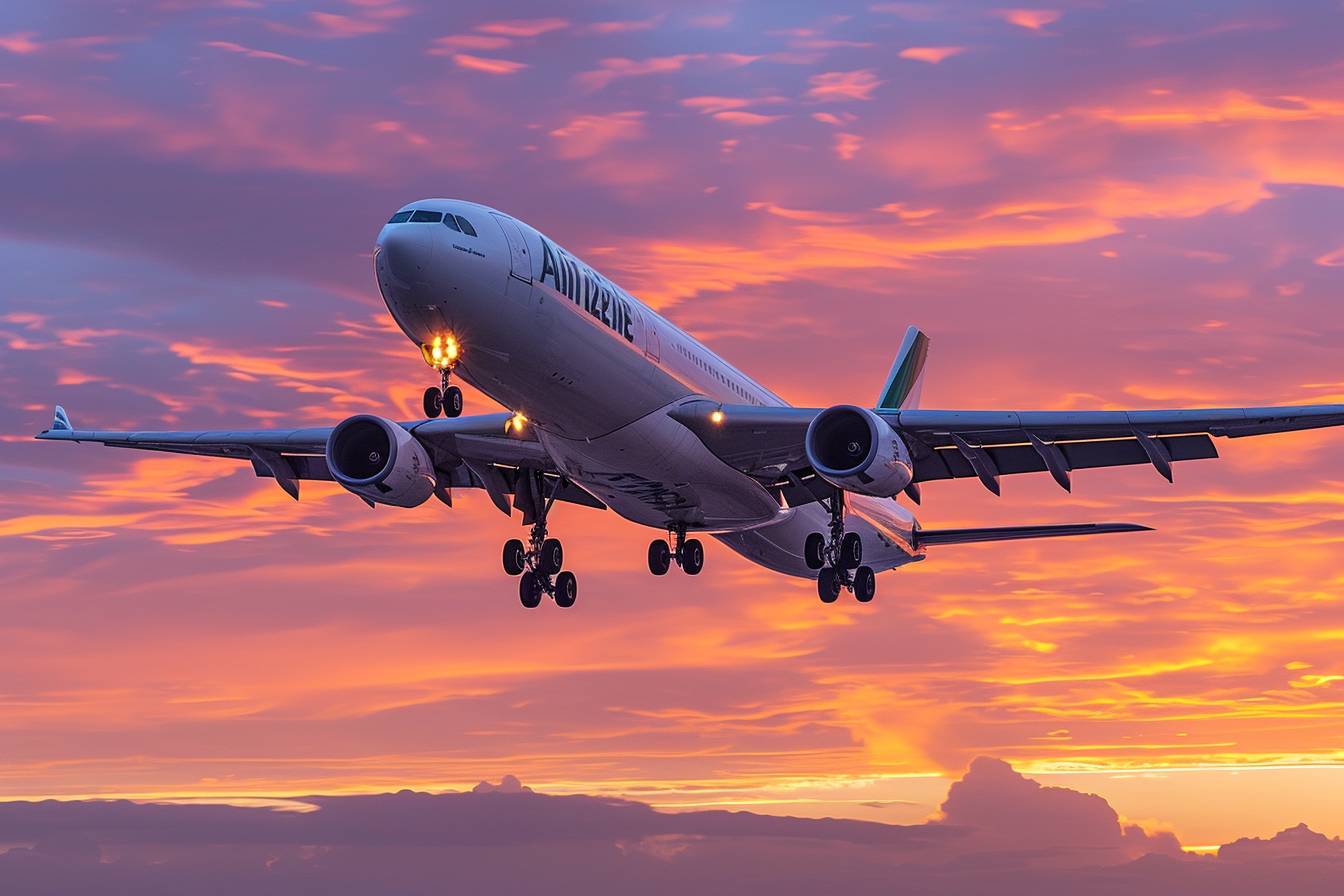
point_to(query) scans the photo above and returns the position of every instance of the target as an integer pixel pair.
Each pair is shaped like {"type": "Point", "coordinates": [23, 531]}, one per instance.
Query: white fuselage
{"type": "Point", "coordinates": [594, 371]}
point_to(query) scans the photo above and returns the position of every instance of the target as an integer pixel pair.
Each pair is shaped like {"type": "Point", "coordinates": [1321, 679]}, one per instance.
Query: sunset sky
{"type": "Point", "coordinates": [1091, 205]}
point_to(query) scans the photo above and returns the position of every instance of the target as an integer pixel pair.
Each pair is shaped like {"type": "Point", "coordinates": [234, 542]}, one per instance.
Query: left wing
{"type": "Point", "coordinates": [468, 452]}
{"type": "Point", "coordinates": [767, 443]}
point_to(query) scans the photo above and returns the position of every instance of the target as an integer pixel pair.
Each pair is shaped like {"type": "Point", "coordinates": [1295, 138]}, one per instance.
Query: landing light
{"type": "Point", "coordinates": [515, 423]}
{"type": "Point", "coordinates": [716, 416]}
{"type": "Point", "coordinates": [442, 353]}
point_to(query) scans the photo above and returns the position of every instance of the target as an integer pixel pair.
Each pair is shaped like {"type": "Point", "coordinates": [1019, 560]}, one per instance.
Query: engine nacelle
{"type": "Point", "coordinates": [377, 459]}
{"type": "Point", "coordinates": [856, 450]}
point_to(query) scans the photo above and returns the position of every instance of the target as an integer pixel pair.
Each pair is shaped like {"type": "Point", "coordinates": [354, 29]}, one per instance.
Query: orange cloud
{"type": "Point", "coordinates": [932, 55]}
{"type": "Point", "coordinates": [1031, 19]}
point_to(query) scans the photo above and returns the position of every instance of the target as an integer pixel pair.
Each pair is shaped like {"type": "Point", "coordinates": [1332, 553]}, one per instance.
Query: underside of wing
{"type": "Point", "coordinates": [768, 443]}
{"type": "Point", "coordinates": [482, 451]}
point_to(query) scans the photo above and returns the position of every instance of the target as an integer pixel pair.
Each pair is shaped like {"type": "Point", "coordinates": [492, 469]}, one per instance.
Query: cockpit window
{"type": "Point", "coordinates": [423, 217]}
{"type": "Point", "coordinates": [399, 218]}
{"type": "Point", "coordinates": [452, 223]}
{"type": "Point", "coordinates": [465, 225]}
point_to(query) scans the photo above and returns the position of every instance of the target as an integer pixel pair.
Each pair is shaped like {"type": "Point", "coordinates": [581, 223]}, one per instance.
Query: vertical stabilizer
{"type": "Point", "coordinates": [907, 373]}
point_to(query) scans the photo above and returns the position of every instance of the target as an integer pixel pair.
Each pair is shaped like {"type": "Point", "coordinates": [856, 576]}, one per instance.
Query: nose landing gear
{"type": "Point", "coordinates": [688, 553]}
{"type": "Point", "coordinates": [442, 355]}
{"type": "Point", "coordinates": [839, 558]}
{"type": "Point", "coordinates": [537, 564]}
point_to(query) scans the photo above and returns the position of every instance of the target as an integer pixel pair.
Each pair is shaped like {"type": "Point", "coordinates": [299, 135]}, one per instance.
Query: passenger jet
{"type": "Point", "coordinates": [614, 406]}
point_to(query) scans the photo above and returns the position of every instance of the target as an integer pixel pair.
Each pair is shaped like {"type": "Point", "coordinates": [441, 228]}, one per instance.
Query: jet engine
{"type": "Point", "coordinates": [378, 460]}
{"type": "Point", "coordinates": [854, 449]}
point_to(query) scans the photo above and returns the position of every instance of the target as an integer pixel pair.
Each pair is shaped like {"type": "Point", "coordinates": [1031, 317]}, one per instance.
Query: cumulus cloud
{"type": "Point", "coordinates": [999, 831]}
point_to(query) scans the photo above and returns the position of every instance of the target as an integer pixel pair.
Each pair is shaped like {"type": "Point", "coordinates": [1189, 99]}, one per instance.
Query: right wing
{"type": "Point", "coordinates": [468, 452]}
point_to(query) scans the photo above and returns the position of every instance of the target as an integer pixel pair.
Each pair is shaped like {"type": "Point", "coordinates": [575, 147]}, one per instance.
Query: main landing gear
{"type": "Point", "coordinates": [688, 553]}
{"type": "Point", "coordinates": [537, 564]}
{"type": "Point", "coordinates": [442, 355]}
{"type": "Point", "coordinates": [839, 558]}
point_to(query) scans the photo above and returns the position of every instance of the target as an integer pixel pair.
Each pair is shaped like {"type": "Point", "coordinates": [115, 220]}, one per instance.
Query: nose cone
{"type": "Point", "coordinates": [405, 251]}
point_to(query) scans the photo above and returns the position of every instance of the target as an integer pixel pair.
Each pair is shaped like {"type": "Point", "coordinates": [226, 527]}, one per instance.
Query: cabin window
{"type": "Point", "coordinates": [422, 216]}
{"type": "Point", "coordinates": [465, 225]}
{"type": "Point", "coordinates": [399, 218]}
{"type": "Point", "coordinates": [451, 223]}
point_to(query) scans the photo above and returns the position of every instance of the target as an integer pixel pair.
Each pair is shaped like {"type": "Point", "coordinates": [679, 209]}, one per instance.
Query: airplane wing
{"type": "Point", "coordinates": [1017, 533]}
{"type": "Point", "coordinates": [468, 452]}
{"type": "Point", "coordinates": [768, 442]}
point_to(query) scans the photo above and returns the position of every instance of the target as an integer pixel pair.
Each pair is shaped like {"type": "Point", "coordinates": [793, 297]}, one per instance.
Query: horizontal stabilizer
{"type": "Point", "coordinates": [1015, 533]}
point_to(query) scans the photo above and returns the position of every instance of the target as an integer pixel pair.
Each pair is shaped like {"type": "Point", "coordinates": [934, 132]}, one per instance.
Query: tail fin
{"type": "Point", "coordinates": [61, 421]}
{"type": "Point", "coordinates": [906, 379]}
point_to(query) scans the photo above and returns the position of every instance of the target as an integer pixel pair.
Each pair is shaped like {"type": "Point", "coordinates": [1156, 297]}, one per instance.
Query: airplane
{"type": "Point", "coordinates": [611, 405]}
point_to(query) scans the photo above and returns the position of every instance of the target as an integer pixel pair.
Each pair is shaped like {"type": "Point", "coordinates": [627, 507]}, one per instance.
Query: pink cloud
{"type": "Point", "coordinates": [451, 43]}
{"type": "Point", "coordinates": [492, 66]}
{"type": "Point", "coordinates": [932, 55]}
{"type": "Point", "coordinates": [588, 135]}
{"type": "Point", "coordinates": [839, 86]}
{"type": "Point", "coordinates": [1031, 19]}
{"type": "Point", "coordinates": [523, 27]}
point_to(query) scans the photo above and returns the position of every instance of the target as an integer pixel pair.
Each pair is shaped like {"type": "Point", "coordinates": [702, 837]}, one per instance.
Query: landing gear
{"type": "Point", "coordinates": [444, 398]}
{"type": "Point", "coordinates": [839, 558]}
{"type": "Point", "coordinates": [688, 553]}
{"type": "Point", "coordinates": [538, 564]}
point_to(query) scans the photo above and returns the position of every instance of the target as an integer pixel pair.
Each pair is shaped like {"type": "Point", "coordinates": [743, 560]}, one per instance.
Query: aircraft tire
{"type": "Point", "coordinates": [452, 402]}
{"type": "Point", "coordinates": [660, 557]}
{"type": "Point", "coordinates": [814, 551]}
{"type": "Point", "coordinates": [433, 404]}
{"type": "Point", "coordinates": [865, 584]}
{"type": "Point", "coordinates": [851, 550]}
{"type": "Point", "coordinates": [529, 590]}
{"type": "Point", "coordinates": [828, 585]}
{"type": "Point", "coordinates": [566, 589]}
{"type": "Point", "coordinates": [552, 557]}
{"type": "Point", "coordinates": [692, 556]}
{"type": "Point", "coordinates": [515, 557]}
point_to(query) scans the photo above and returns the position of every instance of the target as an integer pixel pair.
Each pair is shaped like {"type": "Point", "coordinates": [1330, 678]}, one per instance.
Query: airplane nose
{"type": "Point", "coordinates": [406, 250]}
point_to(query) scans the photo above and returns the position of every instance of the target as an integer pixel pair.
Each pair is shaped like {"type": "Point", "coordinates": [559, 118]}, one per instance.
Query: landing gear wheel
{"type": "Point", "coordinates": [865, 584]}
{"type": "Point", "coordinates": [529, 590]}
{"type": "Point", "coordinates": [566, 589]}
{"type": "Point", "coordinates": [660, 557]}
{"type": "Point", "coordinates": [828, 585]}
{"type": "Point", "coordinates": [814, 551]}
{"type": "Point", "coordinates": [515, 557]}
{"type": "Point", "coordinates": [692, 556]}
{"type": "Point", "coordinates": [452, 402]}
{"type": "Point", "coordinates": [433, 401]}
{"type": "Point", "coordinates": [851, 551]}
{"type": "Point", "coordinates": [551, 558]}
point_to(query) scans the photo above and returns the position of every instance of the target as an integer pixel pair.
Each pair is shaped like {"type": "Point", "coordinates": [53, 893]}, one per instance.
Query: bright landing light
{"type": "Point", "coordinates": [442, 352]}
{"type": "Point", "coordinates": [716, 416]}
{"type": "Point", "coordinates": [515, 423]}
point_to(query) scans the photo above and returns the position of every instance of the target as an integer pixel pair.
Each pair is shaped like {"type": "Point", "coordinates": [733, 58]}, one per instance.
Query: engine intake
{"type": "Point", "coordinates": [377, 459]}
{"type": "Point", "coordinates": [854, 449]}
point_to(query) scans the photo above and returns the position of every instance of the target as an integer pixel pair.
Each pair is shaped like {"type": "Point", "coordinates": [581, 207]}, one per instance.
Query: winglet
{"type": "Point", "coordinates": [906, 379]}
{"type": "Point", "coordinates": [62, 421]}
